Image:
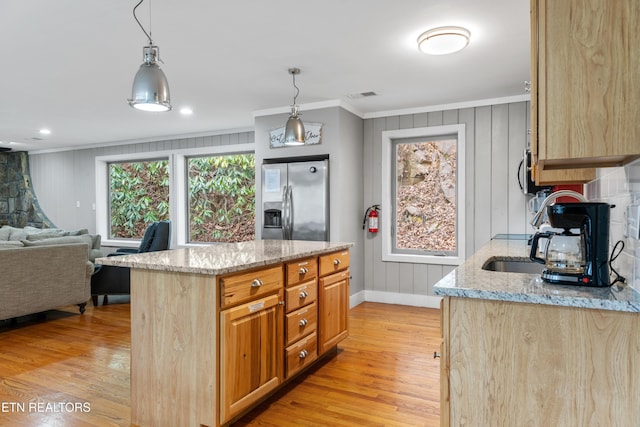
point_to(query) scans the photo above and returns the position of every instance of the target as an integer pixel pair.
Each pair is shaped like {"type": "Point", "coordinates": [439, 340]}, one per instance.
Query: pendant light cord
{"type": "Point", "coordinates": [141, 27]}
{"type": "Point", "coordinates": [297, 89]}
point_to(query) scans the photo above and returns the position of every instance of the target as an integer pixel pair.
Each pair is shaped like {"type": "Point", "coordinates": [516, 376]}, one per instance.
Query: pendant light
{"type": "Point", "coordinates": [294, 133]}
{"type": "Point", "coordinates": [150, 90]}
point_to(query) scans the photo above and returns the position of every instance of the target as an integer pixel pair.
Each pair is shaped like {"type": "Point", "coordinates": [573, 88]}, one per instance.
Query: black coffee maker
{"type": "Point", "coordinates": [579, 255]}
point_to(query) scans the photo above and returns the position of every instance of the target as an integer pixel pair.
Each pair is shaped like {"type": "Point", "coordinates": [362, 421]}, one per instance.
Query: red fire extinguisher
{"type": "Point", "coordinates": [371, 215]}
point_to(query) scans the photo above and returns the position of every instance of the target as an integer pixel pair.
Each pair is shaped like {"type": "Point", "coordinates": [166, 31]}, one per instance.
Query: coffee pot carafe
{"type": "Point", "coordinates": [579, 254]}
{"type": "Point", "coordinates": [564, 252]}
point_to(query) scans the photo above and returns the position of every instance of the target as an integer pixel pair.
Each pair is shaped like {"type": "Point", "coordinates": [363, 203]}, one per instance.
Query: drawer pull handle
{"type": "Point", "coordinates": [304, 270]}
{"type": "Point", "coordinates": [303, 322]}
{"type": "Point", "coordinates": [256, 283]}
{"type": "Point", "coordinates": [336, 261]}
{"type": "Point", "coordinates": [304, 294]}
{"type": "Point", "coordinates": [303, 354]}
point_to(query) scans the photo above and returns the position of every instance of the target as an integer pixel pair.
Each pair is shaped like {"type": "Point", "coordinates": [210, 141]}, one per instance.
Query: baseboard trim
{"type": "Point", "coordinates": [428, 301]}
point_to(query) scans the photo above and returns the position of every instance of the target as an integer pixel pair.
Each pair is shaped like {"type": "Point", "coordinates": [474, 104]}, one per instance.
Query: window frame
{"type": "Point", "coordinates": [178, 193]}
{"type": "Point", "coordinates": [388, 204]}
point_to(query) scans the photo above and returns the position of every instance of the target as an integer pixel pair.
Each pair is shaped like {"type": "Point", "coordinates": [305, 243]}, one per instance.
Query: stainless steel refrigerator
{"type": "Point", "coordinates": [295, 200]}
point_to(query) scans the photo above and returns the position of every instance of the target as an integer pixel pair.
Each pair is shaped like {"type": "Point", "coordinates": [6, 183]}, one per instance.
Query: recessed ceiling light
{"type": "Point", "coordinates": [186, 111]}
{"type": "Point", "coordinates": [45, 131]}
{"type": "Point", "coordinates": [443, 40]}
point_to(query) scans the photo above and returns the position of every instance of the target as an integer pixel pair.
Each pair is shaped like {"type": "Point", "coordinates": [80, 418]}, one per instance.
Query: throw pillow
{"type": "Point", "coordinates": [76, 232]}
{"type": "Point", "coordinates": [44, 235]}
{"type": "Point", "coordinates": [17, 234]}
{"type": "Point", "coordinates": [64, 240]}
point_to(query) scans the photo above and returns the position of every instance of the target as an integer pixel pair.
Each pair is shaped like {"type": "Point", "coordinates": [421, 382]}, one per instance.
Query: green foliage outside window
{"type": "Point", "coordinates": [138, 196]}
{"type": "Point", "coordinates": [222, 198]}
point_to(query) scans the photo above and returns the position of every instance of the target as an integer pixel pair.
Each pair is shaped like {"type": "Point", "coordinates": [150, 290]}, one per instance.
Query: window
{"type": "Point", "coordinates": [208, 193]}
{"type": "Point", "coordinates": [138, 195]}
{"type": "Point", "coordinates": [423, 172]}
{"type": "Point", "coordinates": [221, 198]}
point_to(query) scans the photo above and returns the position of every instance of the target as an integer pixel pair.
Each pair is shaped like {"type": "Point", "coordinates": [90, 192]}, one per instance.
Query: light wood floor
{"type": "Point", "coordinates": [73, 370]}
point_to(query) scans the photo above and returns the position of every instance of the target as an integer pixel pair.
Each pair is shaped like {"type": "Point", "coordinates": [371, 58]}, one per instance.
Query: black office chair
{"type": "Point", "coordinates": [111, 280]}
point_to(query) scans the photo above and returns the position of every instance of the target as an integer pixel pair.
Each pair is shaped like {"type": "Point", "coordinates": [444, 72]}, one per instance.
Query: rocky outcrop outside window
{"type": "Point", "coordinates": [426, 196]}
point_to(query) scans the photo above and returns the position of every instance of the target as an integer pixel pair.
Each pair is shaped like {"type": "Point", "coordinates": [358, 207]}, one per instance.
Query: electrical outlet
{"type": "Point", "coordinates": [633, 221]}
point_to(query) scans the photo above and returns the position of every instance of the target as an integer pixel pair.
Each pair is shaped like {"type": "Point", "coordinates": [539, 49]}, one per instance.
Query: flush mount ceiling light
{"type": "Point", "coordinates": [443, 40]}
{"type": "Point", "coordinates": [150, 90]}
{"type": "Point", "coordinates": [294, 133]}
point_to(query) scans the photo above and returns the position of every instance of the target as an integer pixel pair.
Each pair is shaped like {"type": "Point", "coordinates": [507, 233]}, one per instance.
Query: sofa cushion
{"type": "Point", "coordinates": [10, 244]}
{"type": "Point", "coordinates": [5, 232]}
{"type": "Point", "coordinates": [85, 238]}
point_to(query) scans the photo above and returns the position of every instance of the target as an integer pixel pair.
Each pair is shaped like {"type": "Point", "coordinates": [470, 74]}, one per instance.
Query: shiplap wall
{"type": "Point", "coordinates": [64, 179]}
{"type": "Point", "coordinates": [496, 136]}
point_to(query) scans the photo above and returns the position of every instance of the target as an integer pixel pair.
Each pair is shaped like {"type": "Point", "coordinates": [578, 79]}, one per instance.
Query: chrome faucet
{"type": "Point", "coordinates": [538, 218]}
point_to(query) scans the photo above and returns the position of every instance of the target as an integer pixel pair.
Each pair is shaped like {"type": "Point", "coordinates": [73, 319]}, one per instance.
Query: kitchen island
{"type": "Point", "coordinates": [215, 329]}
{"type": "Point", "coordinates": [519, 352]}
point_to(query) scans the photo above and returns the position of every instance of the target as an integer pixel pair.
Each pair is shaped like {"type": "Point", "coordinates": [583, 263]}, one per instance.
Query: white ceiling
{"type": "Point", "coordinates": [68, 65]}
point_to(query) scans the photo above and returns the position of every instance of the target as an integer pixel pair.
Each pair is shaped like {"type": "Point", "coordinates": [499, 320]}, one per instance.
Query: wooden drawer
{"type": "Point", "coordinates": [333, 262]}
{"type": "Point", "coordinates": [243, 287]}
{"type": "Point", "coordinates": [334, 278]}
{"type": "Point", "coordinates": [301, 295]}
{"type": "Point", "coordinates": [301, 322]}
{"type": "Point", "coordinates": [301, 354]}
{"type": "Point", "coordinates": [301, 270]}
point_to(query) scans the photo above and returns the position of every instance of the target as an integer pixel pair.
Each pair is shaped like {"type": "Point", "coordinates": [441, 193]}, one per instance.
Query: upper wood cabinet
{"type": "Point", "coordinates": [585, 86]}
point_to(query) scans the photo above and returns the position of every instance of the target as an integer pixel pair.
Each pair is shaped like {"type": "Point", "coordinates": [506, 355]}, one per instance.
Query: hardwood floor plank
{"type": "Point", "coordinates": [384, 374]}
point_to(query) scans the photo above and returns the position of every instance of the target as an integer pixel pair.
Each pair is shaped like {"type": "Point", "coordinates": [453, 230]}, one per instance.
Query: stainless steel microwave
{"type": "Point", "coordinates": [526, 181]}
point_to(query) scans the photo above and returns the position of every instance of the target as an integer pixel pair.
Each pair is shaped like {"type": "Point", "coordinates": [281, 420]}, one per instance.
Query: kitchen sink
{"type": "Point", "coordinates": [511, 265]}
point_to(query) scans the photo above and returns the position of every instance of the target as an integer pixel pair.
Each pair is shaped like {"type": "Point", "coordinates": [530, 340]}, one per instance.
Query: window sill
{"type": "Point", "coordinates": [422, 259]}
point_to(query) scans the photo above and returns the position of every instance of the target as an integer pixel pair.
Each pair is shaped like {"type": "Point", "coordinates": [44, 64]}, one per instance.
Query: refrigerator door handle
{"type": "Point", "coordinates": [284, 213]}
{"type": "Point", "coordinates": [290, 213]}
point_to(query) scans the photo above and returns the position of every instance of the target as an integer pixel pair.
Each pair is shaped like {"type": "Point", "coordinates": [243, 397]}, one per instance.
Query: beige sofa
{"type": "Point", "coordinates": [45, 274]}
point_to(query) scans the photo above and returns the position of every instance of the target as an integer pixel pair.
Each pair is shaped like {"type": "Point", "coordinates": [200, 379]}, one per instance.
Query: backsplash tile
{"type": "Point", "coordinates": [620, 186]}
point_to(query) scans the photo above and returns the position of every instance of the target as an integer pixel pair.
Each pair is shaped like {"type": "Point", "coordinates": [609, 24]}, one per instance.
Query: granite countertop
{"type": "Point", "coordinates": [222, 258]}
{"type": "Point", "coordinates": [469, 280]}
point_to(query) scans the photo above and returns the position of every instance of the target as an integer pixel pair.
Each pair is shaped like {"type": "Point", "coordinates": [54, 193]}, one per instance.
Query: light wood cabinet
{"type": "Point", "coordinates": [333, 295]}
{"type": "Point", "coordinates": [248, 286]}
{"type": "Point", "coordinates": [506, 363]}
{"type": "Point", "coordinates": [585, 86]}
{"type": "Point", "coordinates": [206, 348]}
{"type": "Point", "coordinates": [251, 346]}
{"type": "Point", "coordinates": [302, 315]}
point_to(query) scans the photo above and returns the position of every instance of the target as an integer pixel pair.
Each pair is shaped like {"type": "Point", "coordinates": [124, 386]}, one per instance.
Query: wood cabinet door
{"type": "Point", "coordinates": [539, 116]}
{"type": "Point", "coordinates": [251, 353]}
{"type": "Point", "coordinates": [520, 364]}
{"type": "Point", "coordinates": [333, 310]}
{"type": "Point", "coordinates": [588, 82]}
